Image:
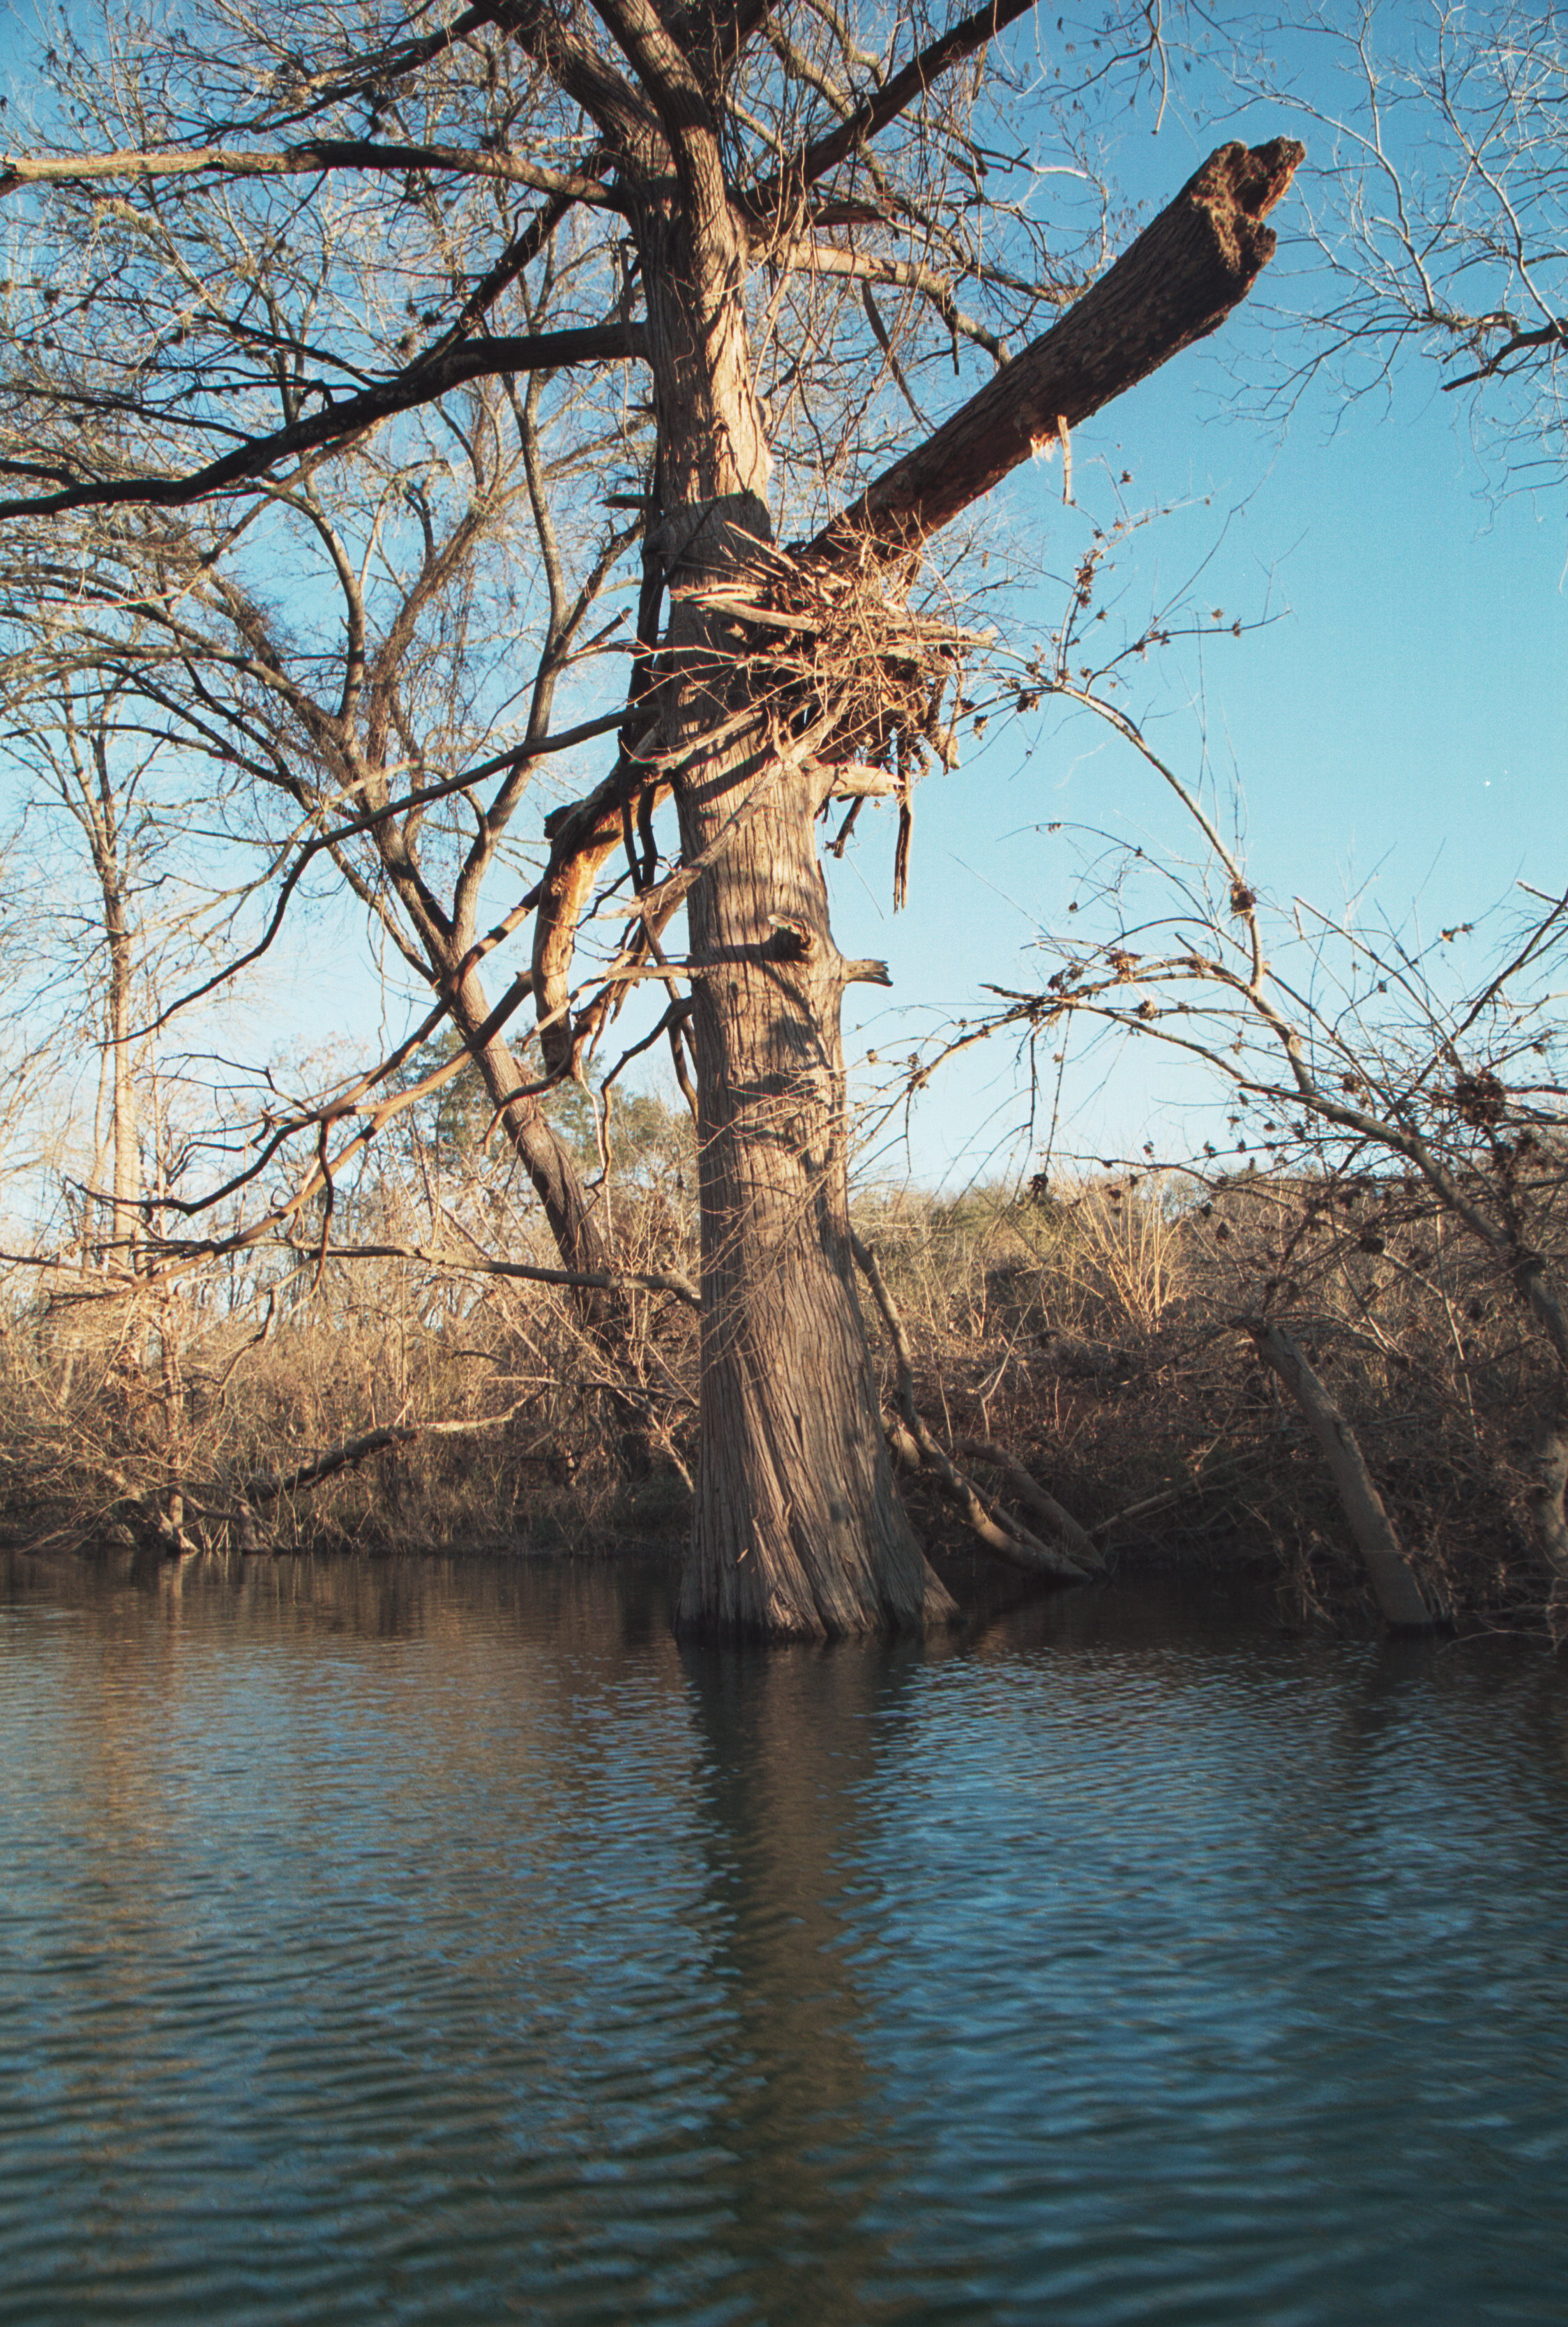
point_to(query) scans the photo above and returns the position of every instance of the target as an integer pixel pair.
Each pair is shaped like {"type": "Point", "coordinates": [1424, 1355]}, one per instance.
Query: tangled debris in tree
{"type": "Point", "coordinates": [841, 643]}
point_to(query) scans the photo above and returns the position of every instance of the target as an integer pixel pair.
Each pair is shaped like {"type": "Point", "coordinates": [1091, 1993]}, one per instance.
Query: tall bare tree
{"type": "Point", "coordinates": [106, 827]}
{"type": "Point", "coordinates": [271, 236]}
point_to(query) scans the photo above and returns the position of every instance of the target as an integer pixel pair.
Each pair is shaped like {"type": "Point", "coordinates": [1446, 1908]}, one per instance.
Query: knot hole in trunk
{"type": "Point", "coordinates": [796, 942]}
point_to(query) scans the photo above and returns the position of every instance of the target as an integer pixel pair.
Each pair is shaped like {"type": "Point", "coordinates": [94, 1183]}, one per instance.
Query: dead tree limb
{"type": "Point", "coordinates": [608, 1280]}
{"type": "Point", "coordinates": [1393, 1581]}
{"type": "Point", "coordinates": [1029, 1491]}
{"type": "Point", "coordinates": [917, 1450]}
{"type": "Point", "coordinates": [350, 1451]}
{"type": "Point", "coordinates": [1177, 283]}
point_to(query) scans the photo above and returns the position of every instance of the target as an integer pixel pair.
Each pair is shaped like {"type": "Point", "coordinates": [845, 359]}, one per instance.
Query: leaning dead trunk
{"type": "Point", "coordinates": [1393, 1581]}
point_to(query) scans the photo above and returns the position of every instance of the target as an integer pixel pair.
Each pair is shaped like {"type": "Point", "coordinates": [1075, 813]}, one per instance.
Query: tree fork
{"type": "Point", "coordinates": [558, 1185]}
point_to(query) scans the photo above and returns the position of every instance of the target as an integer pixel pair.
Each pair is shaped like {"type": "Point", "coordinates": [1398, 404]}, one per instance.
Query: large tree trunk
{"type": "Point", "coordinates": [799, 1530]}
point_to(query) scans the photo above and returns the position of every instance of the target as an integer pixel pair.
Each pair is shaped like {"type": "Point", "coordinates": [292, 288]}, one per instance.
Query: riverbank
{"type": "Point", "coordinates": [1095, 1339]}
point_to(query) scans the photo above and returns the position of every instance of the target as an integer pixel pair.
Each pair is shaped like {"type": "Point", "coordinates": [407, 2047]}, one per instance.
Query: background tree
{"type": "Point", "coordinates": [117, 906]}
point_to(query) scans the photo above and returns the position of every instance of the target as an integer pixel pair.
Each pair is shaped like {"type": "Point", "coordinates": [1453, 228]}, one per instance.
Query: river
{"type": "Point", "coordinates": [425, 1941]}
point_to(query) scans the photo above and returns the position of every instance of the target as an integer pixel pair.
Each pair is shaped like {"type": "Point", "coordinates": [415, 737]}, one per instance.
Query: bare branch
{"type": "Point", "coordinates": [311, 159]}
{"type": "Point", "coordinates": [1177, 283]}
{"type": "Point", "coordinates": [779, 196]}
{"type": "Point", "coordinates": [422, 383]}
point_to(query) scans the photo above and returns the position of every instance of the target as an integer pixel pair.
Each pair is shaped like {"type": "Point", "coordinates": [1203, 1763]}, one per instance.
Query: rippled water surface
{"type": "Point", "coordinates": [441, 1943]}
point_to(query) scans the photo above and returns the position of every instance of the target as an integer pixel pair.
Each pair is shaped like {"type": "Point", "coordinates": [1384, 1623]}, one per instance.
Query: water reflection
{"type": "Point", "coordinates": [431, 1941]}
{"type": "Point", "coordinates": [791, 1745]}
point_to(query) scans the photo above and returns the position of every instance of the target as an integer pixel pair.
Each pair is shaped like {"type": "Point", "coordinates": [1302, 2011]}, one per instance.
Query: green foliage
{"type": "Point", "coordinates": [652, 1141]}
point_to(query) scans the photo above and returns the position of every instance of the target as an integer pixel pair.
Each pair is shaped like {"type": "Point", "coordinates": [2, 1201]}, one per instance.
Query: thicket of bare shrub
{"type": "Point", "coordinates": [1094, 1330]}
{"type": "Point", "coordinates": [1091, 1329]}
{"type": "Point", "coordinates": [414, 1400]}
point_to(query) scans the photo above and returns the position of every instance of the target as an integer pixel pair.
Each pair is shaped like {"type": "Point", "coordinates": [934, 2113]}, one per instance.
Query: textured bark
{"type": "Point", "coordinates": [799, 1530]}
{"type": "Point", "coordinates": [581, 837]}
{"type": "Point", "coordinates": [102, 811]}
{"type": "Point", "coordinates": [1398, 1592]}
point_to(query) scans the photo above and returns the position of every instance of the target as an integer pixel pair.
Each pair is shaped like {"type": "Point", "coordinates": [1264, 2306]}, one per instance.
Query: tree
{"type": "Point", "coordinates": [116, 907]}
{"type": "Point", "coordinates": [78, 764]}
{"type": "Point", "coordinates": [695, 176]}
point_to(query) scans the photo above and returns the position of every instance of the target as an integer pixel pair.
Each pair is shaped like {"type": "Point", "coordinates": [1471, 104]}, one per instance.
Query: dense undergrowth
{"type": "Point", "coordinates": [1100, 1336]}
{"type": "Point", "coordinates": [1095, 1330]}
